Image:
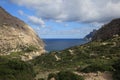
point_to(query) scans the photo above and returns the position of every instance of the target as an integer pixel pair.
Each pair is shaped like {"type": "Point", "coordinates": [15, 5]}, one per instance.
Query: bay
{"type": "Point", "coordinates": [61, 44]}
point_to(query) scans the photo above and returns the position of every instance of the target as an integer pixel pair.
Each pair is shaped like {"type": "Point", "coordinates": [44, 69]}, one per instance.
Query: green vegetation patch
{"type": "Point", "coordinates": [116, 73]}
{"type": "Point", "coordinates": [13, 69]}
{"type": "Point", "coordinates": [65, 75]}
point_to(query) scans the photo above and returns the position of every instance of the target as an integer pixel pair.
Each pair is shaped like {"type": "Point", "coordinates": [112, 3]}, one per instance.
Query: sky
{"type": "Point", "coordinates": [63, 18]}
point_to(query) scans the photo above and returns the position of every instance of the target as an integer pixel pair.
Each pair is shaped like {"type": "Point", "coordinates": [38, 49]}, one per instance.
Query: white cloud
{"type": "Point", "coordinates": [75, 32]}
{"type": "Point", "coordinates": [21, 12]}
{"type": "Point", "coordinates": [74, 10]}
{"type": "Point", "coordinates": [32, 19]}
{"type": "Point", "coordinates": [36, 21]}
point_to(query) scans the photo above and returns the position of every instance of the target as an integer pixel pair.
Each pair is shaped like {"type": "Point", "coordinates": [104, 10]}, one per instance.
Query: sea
{"type": "Point", "coordinates": [61, 44]}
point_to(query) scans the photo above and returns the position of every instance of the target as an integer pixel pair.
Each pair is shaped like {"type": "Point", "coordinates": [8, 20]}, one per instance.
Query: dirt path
{"type": "Point", "coordinates": [96, 76]}
{"type": "Point", "coordinates": [88, 76]}
{"type": "Point", "coordinates": [44, 74]}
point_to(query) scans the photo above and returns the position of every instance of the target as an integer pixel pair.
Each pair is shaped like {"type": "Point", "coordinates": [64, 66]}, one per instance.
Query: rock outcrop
{"type": "Point", "coordinates": [90, 35]}
{"type": "Point", "coordinates": [16, 36]}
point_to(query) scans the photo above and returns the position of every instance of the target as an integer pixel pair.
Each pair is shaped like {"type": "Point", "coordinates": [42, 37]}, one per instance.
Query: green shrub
{"type": "Point", "coordinates": [97, 67]}
{"type": "Point", "coordinates": [41, 79]}
{"type": "Point", "coordinates": [116, 73]}
{"type": "Point", "coordinates": [30, 49]}
{"type": "Point", "coordinates": [65, 75]}
{"type": "Point", "coordinates": [15, 70]}
{"type": "Point", "coordinates": [52, 75]}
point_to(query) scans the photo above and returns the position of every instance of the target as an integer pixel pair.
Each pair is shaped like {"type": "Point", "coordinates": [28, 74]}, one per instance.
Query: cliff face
{"type": "Point", "coordinates": [108, 31]}
{"type": "Point", "coordinates": [17, 36]}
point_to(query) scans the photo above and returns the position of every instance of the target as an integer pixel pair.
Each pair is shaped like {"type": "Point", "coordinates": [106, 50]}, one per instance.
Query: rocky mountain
{"type": "Point", "coordinates": [108, 30]}
{"type": "Point", "coordinates": [17, 37]}
{"type": "Point", "coordinates": [90, 35]}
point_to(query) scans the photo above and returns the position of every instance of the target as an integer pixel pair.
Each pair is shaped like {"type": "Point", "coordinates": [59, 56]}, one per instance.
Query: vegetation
{"type": "Point", "coordinates": [116, 74]}
{"type": "Point", "coordinates": [95, 67]}
{"type": "Point", "coordinates": [65, 75]}
{"type": "Point", "coordinates": [18, 54]}
{"type": "Point", "coordinates": [91, 57]}
{"type": "Point", "coordinates": [30, 48]}
{"type": "Point", "coordinates": [52, 75]}
{"type": "Point", "coordinates": [40, 79]}
{"type": "Point", "coordinates": [13, 69]}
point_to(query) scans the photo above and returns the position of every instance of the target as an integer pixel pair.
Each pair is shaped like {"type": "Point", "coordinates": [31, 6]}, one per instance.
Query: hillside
{"type": "Point", "coordinates": [91, 58]}
{"type": "Point", "coordinates": [108, 30]}
{"type": "Point", "coordinates": [16, 37]}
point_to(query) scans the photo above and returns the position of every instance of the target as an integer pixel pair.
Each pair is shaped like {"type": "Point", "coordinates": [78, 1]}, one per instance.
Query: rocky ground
{"type": "Point", "coordinates": [97, 76]}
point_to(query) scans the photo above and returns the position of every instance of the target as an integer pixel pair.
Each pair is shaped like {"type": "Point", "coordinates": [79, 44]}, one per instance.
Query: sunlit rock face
{"type": "Point", "coordinates": [16, 36]}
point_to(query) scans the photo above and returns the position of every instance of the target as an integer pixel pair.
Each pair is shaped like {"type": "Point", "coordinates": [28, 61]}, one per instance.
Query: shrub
{"type": "Point", "coordinates": [52, 75]}
{"type": "Point", "coordinates": [97, 67]}
{"type": "Point", "coordinates": [65, 75]}
{"type": "Point", "coordinates": [41, 79]}
{"type": "Point", "coordinates": [30, 49]}
{"type": "Point", "coordinates": [116, 73]}
{"type": "Point", "coordinates": [15, 70]}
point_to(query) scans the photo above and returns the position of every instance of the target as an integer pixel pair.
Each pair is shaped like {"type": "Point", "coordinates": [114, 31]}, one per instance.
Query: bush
{"type": "Point", "coordinates": [65, 75]}
{"type": "Point", "coordinates": [52, 75]}
{"type": "Point", "coordinates": [116, 73]}
{"type": "Point", "coordinates": [30, 49]}
{"type": "Point", "coordinates": [15, 70]}
{"type": "Point", "coordinates": [41, 79]}
{"type": "Point", "coordinates": [97, 67]}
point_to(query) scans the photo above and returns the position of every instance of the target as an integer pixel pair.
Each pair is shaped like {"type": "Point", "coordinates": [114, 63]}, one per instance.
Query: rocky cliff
{"type": "Point", "coordinates": [17, 36]}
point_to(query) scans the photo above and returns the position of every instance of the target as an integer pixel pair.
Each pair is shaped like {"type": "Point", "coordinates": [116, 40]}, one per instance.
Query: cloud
{"type": "Point", "coordinates": [74, 32]}
{"type": "Point", "coordinates": [32, 19]}
{"type": "Point", "coordinates": [36, 21]}
{"type": "Point", "coordinates": [21, 12]}
{"type": "Point", "coordinates": [74, 10]}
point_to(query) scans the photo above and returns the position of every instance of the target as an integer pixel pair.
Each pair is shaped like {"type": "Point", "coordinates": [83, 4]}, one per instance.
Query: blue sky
{"type": "Point", "coordinates": [63, 18]}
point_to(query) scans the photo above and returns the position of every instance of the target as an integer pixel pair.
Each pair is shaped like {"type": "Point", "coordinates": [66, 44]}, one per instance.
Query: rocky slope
{"type": "Point", "coordinates": [17, 36]}
{"type": "Point", "coordinates": [108, 31]}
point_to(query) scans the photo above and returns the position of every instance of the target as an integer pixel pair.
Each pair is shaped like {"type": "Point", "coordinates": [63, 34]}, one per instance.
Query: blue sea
{"type": "Point", "coordinates": [61, 44]}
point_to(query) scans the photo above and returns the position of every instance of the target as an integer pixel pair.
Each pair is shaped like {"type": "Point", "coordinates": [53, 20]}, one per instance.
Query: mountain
{"type": "Point", "coordinates": [108, 31]}
{"type": "Point", "coordinates": [90, 35]}
{"type": "Point", "coordinates": [16, 37]}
